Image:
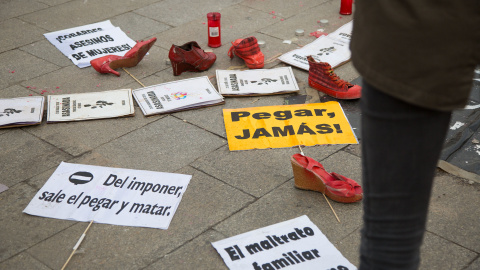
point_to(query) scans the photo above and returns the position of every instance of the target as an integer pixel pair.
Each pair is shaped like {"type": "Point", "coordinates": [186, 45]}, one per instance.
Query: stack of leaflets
{"type": "Point", "coordinates": [177, 96]}
{"type": "Point", "coordinates": [86, 106]}
{"type": "Point", "coordinates": [84, 43]}
{"type": "Point", "coordinates": [333, 49]}
{"type": "Point", "coordinates": [256, 82]}
{"type": "Point", "coordinates": [24, 111]}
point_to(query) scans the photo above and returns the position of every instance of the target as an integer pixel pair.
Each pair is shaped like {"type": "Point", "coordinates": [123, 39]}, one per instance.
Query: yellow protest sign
{"type": "Point", "coordinates": [287, 126]}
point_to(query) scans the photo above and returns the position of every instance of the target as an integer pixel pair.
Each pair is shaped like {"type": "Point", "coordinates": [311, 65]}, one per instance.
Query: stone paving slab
{"type": "Point", "coordinates": [308, 21]}
{"type": "Point", "coordinates": [21, 231]}
{"type": "Point", "coordinates": [43, 49]}
{"type": "Point", "coordinates": [197, 254]}
{"type": "Point", "coordinates": [206, 202]}
{"type": "Point", "coordinates": [77, 13]}
{"type": "Point", "coordinates": [22, 66]}
{"type": "Point", "coordinates": [474, 265]}
{"type": "Point", "coordinates": [282, 8]}
{"type": "Point", "coordinates": [436, 252]}
{"type": "Point", "coordinates": [256, 172]}
{"type": "Point", "coordinates": [180, 12]}
{"type": "Point", "coordinates": [23, 261]}
{"type": "Point", "coordinates": [167, 144]}
{"type": "Point", "coordinates": [24, 156]}
{"type": "Point", "coordinates": [237, 21]}
{"type": "Point", "coordinates": [13, 8]}
{"type": "Point", "coordinates": [287, 202]}
{"type": "Point", "coordinates": [16, 33]}
{"type": "Point", "coordinates": [454, 211]}
{"type": "Point", "coordinates": [79, 137]}
{"type": "Point", "coordinates": [138, 27]}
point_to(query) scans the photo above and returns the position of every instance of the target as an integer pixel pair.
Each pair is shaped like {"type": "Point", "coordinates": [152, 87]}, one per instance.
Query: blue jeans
{"type": "Point", "coordinates": [401, 145]}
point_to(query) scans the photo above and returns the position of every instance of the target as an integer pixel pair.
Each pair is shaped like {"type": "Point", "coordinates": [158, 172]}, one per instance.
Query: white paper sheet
{"type": "Point", "coordinates": [177, 96]}
{"type": "Point", "coordinates": [256, 81]}
{"type": "Point", "coordinates": [86, 106]}
{"type": "Point", "coordinates": [21, 111]}
{"type": "Point", "coordinates": [333, 49]}
{"type": "Point", "coordinates": [292, 244]}
{"type": "Point", "coordinates": [110, 195]}
{"type": "Point", "coordinates": [85, 43]}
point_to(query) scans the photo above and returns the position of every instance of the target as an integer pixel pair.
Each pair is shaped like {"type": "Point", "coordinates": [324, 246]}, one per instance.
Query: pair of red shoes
{"type": "Point", "coordinates": [310, 175]}
{"type": "Point", "coordinates": [190, 57]}
{"type": "Point", "coordinates": [108, 63]}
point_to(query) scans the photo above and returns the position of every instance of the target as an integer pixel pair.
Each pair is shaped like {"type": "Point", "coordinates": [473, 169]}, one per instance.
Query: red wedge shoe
{"type": "Point", "coordinates": [249, 51]}
{"type": "Point", "coordinates": [108, 63]}
{"type": "Point", "coordinates": [322, 78]}
{"type": "Point", "coordinates": [190, 57]}
{"type": "Point", "coordinates": [310, 175]}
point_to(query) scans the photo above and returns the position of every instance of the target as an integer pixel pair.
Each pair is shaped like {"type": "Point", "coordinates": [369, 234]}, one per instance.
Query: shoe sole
{"type": "Point", "coordinates": [332, 93]}
{"type": "Point", "coordinates": [308, 180]}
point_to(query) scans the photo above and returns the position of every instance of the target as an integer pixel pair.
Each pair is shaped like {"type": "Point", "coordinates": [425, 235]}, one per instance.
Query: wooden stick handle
{"type": "Point", "coordinates": [77, 244]}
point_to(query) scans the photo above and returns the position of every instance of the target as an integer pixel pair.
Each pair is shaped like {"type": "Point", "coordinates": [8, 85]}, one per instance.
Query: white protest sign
{"type": "Point", "coordinates": [292, 244]}
{"type": "Point", "coordinates": [256, 81]}
{"type": "Point", "coordinates": [110, 195]}
{"type": "Point", "coordinates": [21, 111]}
{"type": "Point", "coordinates": [85, 43]}
{"type": "Point", "coordinates": [333, 49]}
{"type": "Point", "coordinates": [93, 105]}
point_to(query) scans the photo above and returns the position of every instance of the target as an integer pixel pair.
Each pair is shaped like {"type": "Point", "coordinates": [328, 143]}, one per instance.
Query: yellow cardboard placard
{"type": "Point", "coordinates": [287, 126]}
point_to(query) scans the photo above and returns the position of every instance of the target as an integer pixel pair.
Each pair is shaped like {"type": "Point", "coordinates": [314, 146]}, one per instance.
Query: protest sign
{"type": "Point", "coordinates": [21, 111]}
{"type": "Point", "coordinates": [333, 49]}
{"type": "Point", "coordinates": [85, 43]}
{"type": "Point", "coordinates": [287, 126]}
{"type": "Point", "coordinates": [256, 82]}
{"type": "Point", "coordinates": [110, 195]}
{"type": "Point", "coordinates": [292, 244]}
{"type": "Point", "coordinates": [93, 105]}
{"type": "Point", "coordinates": [177, 96]}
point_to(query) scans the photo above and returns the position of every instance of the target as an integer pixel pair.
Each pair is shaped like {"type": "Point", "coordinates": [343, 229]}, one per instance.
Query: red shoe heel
{"type": "Point", "coordinates": [179, 68]}
{"type": "Point", "coordinates": [108, 63]}
{"type": "Point", "coordinates": [310, 175]}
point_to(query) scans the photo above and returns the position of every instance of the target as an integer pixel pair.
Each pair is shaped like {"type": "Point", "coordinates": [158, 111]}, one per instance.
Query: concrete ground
{"type": "Point", "coordinates": [230, 192]}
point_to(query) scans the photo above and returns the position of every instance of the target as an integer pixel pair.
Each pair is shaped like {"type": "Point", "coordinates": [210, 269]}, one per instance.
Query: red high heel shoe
{"type": "Point", "coordinates": [310, 175]}
{"type": "Point", "coordinates": [108, 63]}
{"type": "Point", "coordinates": [190, 57]}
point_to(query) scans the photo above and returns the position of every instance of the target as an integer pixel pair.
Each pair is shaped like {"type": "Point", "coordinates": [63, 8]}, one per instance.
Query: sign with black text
{"type": "Point", "coordinates": [110, 195]}
{"type": "Point", "coordinates": [21, 111]}
{"type": "Point", "coordinates": [289, 245]}
{"type": "Point", "coordinates": [85, 43]}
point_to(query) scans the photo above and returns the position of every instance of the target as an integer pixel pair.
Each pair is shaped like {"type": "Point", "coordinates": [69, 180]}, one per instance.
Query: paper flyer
{"type": "Point", "coordinates": [84, 43]}
{"type": "Point", "coordinates": [256, 81]}
{"type": "Point", "coordinates": [21, 111]}
{"type": "Point", "coordinates": [177, 96]}
{"type": "Point", "coordinates": [293, 244]}
{"type": "Point", "coordinates": [110, 195]}
{"type": "Point", "coordinates": [86, 106]}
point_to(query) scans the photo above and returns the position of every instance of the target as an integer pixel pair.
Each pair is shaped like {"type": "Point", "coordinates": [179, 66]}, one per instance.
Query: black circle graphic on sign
{"type": "Point", "coordinates": [81, 178]}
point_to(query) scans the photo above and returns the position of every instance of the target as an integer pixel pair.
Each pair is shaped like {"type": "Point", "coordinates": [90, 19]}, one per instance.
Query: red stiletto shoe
{"type": "Point", "coordinates": [190, 57]}
{"type": "Point", "coordinates": [108, 63]}
{"type": "Point", "coordinates": [310, 175]}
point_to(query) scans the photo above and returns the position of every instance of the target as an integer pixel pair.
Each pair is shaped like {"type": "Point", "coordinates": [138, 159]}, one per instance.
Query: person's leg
{"type": "Point", "coordinates": [401, 144]}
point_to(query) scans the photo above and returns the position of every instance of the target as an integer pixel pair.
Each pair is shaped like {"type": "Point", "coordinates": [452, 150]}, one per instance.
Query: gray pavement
{"type": "Point", "coordinates": [230, 192]}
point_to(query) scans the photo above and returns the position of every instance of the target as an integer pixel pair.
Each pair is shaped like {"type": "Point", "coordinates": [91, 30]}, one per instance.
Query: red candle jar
{"type": "Point", "coordinates": [214, 34]}
{"type": "Point", "coordinates": [346, 7]}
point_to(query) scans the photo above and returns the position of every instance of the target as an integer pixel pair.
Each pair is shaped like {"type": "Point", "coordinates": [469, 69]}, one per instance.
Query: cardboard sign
{"type": "Point", "coordinates": [292, 244]}
{"type": "Point", "coordinates": [21, 111]}
{"type": "Point", "coordinates": [93, 105]}
{"type": "Point", "coordinates": [110, 195]}
{"type": "Point", "coordinates": [256, 81]}
{"type": "Point", "coordinates": [333, 49]}
{"type": "Point", "coordinates": [287, 126]}
{"type": "Point", "coordinates": [85, 43]}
